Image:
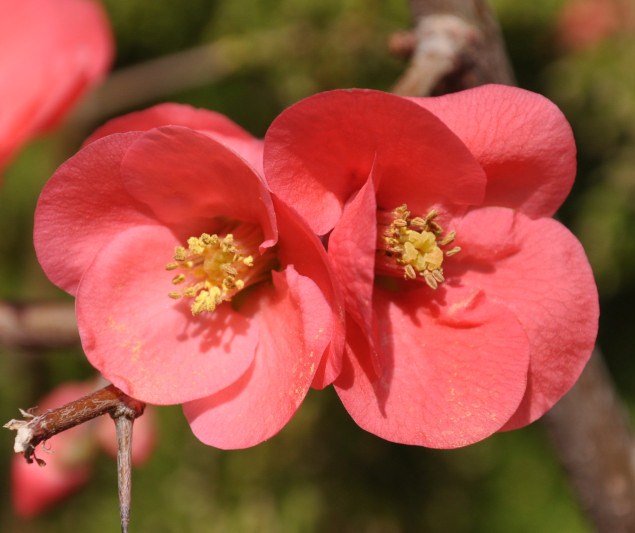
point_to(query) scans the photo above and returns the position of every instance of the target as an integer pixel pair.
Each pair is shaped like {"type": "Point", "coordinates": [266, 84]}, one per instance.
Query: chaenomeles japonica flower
{"type": "Point", "coordinates": [193, 284]}
{"type": "Point", "coordinates": [51, 53]}
{"type": "Point", "coordinates": [70, 456]}
{"type": "Point", "coordinates": [470, 310]}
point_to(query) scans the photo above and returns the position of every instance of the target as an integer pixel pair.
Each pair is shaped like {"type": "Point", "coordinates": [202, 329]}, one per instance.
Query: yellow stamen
{"type": "Point", "coordinates": [179, 278]}
{"type": "Point", "coordinates": [413, 244]}
{"type": "Point", "coordinates": [216, 267]}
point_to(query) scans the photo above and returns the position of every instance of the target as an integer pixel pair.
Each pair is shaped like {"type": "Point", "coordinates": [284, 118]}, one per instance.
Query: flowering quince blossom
{"type": "Point", "coordinates": [69, 460]}
{"type": "Point", "coordinates": [583, 24]}
{"type": "Point", "coordinates": [469, 309]}
{"type": "Point", "coordinates": [51, 52]}
{"type": "Point", "coordinates": [193, 284]}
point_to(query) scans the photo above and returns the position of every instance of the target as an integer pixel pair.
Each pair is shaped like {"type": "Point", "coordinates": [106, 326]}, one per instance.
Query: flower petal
{"type": "Point", "coordinates": [454, 368]}
{"type": "Point", "coordinates": [147, 344]}
{"type": "Point", "coordinates": [351, 247]}
{"type": "Point", "coordinates": [321, 150]}
{"type": "Point", "coordinates": [294, 326]}
{"type": "Point", "coordinates": [216, 125]}
{"type": "Point", "coordinates": [183, 175]}
{"type": "Point", "coordinates": [545, 279]}
{"type": "Point", "coordinates": [82, 207]}
{"type": "Point", "coordinates": [522, 140]}
{"type": "Point", "coordinates": [298, 246]}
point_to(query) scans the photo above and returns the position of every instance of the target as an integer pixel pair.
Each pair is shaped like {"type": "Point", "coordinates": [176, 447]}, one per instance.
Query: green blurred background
{"type": "Point", "coordinates": [322, 473]}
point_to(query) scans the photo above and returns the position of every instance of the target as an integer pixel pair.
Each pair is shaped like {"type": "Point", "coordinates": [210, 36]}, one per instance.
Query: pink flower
{"type": "Point", "coordinates": [470, 309]}
{"type": "Point", "coordinates": [583, 24]}
{"type": "Point", "coordinates": [70, 455]}
{"type": "Point", "coordinates": [194, 285]}
{"type": "Point", "coordinates": [51, 52]}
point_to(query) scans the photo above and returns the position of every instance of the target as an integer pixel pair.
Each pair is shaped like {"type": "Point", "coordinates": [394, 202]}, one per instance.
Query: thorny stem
{"type": "Point", "coordinates": [123, 425]}
{"type": "Point", "coordinates": [109, 400]}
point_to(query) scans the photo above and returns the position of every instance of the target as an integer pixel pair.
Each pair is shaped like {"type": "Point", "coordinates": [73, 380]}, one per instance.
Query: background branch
{"type": "Point", "coordinates": [457, 45]}
{"type": "Point", "coordinates": [161, 78]}
{"type": "Point", "coordinates": [590, 432]}
{"type": "Point", "coordinates": [42, 325]}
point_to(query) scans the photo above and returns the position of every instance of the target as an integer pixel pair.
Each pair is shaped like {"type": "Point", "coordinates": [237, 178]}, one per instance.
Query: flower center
{"type": "Point", "coordinates": [214, 268]}
{"type": "Point", "coordinates": [412, 247]}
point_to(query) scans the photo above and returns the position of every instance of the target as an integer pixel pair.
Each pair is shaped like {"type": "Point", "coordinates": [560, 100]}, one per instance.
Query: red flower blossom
{"type": "Point", "coordinates": [583, 24]}
{"type": "Point", "coordinates": [70, 455]}
{"type": "Point", "coordinates": [471, 309]}
{"type": "Point", "coordinates": [51, 52]}
{"type": "Point", "coordinates": [194, 285]}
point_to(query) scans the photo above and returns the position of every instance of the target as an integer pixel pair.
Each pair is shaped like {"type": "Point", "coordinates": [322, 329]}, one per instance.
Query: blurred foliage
{"type": "Point", "coordinates": [145, 29]}
{"type": "Point", "coordinates": [601, 106]}
{"type": "Point", "coordinates": [596, 90]}
{"type": "Point", "coordinates": [322, 473]}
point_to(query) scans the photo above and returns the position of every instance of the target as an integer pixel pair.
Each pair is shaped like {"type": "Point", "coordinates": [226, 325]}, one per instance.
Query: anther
{"type": "Point", "coordinates": [179, 278]}
{"type": "Point", "coordinates": [430, 279]}
{"type": "Point", "coordinates": [414, 245]}
{"type": "Point", "coordinates": [448, 238]}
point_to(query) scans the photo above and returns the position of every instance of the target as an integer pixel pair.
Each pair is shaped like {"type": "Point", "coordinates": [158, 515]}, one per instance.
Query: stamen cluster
{"type": "Point", "coordinates": [415, 245]}
{"type": "Point", "coordinates": [216, 267]}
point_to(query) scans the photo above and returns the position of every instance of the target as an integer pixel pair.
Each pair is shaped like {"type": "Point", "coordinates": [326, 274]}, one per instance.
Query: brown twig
{"type": "Point", "coordinates": [38, 325]}
{"type": "Point", "coordinates": [588, 427]}
{"type": "Point", "coordinates": [124, 421]}
{"type": "Point", "coordinates": [39, 428]}
{"type": "Point", "coordinates": [109, 400]}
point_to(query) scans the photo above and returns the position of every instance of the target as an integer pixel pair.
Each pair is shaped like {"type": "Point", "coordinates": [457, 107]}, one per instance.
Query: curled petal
{"type": "Point", "coordinates": [147, 344]}
{"type": "Point", "coordinates": [298, 246]}
{"type": "Point", "coordinates": [545, 279]}
{"type": "Point", "coordinates": [352, 245]}
{"type": "Point", "coordinates": [216, 125]}
{"type": "Point", "coordinates": [522, 140]}
{"type": "Point", "coordinates": [321, 150]}
{"type": "Point", "coordinates": [453, 368]}
{"type": "Point", "coordinates": [184, 176]}
{"type": "Point", "coordinates": [82, 207]}
{"type": "Point", "coordinates": [294, 332]}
